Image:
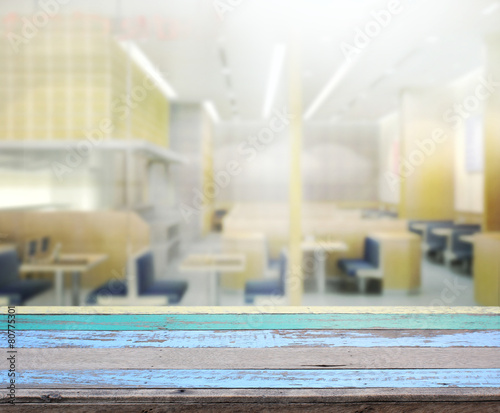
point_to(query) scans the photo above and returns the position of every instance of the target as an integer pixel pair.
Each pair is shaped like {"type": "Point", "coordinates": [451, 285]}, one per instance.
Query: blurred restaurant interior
{"type": "Point", "coordinates": [250, 152]}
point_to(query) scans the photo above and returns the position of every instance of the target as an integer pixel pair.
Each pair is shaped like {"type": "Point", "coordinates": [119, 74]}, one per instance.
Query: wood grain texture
{"type": "Point", "coordinates": [132, 322]}
{"type": "Point", "coordinates": [255, 359]}
{"type": "Point", "coordinates": [403, 394]}
{"type": "Point", "coordinates": [263, 407]}
{"type": "Point", "coordinates": [254, 338]}
{"type": "Point", "coordinates": [170, 359]}
{"type": "Point", "coordinates": [258, 379]}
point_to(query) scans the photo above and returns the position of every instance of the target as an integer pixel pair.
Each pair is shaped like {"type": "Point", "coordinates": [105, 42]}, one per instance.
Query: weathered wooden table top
{"type": "Point", "coordinates": [237, 359]}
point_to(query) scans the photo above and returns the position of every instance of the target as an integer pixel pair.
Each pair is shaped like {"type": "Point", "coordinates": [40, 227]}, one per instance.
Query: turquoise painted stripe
{"type": "Point", "coordinates": [252, 339]}
{"type": "Point", "coordinates": [387, 378]}
{"type": "Point", "coordinates": [118, 322]}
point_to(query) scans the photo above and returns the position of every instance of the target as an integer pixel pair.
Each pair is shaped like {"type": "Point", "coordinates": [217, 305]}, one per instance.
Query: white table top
{"type": "Point", "coordinates": [151, 300]}
{"type": "Point", "coordinates": [66, 263]}
{"type": "Point", "coordinates": [467, 238]}
{"type": "Point", "coordinates": [328, 246]}
{"type": "Point", "coordinates": [419, 226]}
{"type": "Point", "coordinates": [444, 232]}
{"type": "Point", "coordinates": [214, 262]}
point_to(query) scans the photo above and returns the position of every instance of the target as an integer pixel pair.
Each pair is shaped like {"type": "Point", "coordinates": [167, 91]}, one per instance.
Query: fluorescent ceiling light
{"type": "Point", "coordinates": [274, 77]}
{"type": "Point", "coordinates": [210, 108]}
{"type": "Point", "coordinates": [145, 64]}
{"type": "Point", "coordinates": [325, 93]}
{"type": "Point", "coordinates": [491, 8]}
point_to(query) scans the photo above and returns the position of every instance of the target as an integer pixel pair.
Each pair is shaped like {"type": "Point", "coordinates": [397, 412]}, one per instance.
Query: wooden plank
{"type": "Point", "coordinates": [267, 396]}
{"type": "Point", "coordinates": [254, 339]}
{"type": "Point", "coordinates": [256, 379]}
{"type": "Point", "coordinates": [231, 407]}
{"type": "Point", "coordinates": [253, 310]}
{"type": "Point", "coordinates": [255, 359]}
{"type": "Point", "coordinates": [118, 322]}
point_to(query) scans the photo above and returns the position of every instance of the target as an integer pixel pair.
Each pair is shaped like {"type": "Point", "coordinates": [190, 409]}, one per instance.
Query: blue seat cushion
{"type": "Point", "coordinates": [174, 290]}
{"type": "Point", "coordinates": [274, 286]}
{"type": "Point", "coordinates": [264, 287]}
{"type": "Point", "coordinates": [461, 249]}
{"type": "Point", "coordinates": [112, 287]}
{"type": "Point", "coordinates": [371, 253]}
{"type": "Point", "coordinates": [145, 272]}
{"type": "Point", "coordinates": [351, 266]}
{"type": "Point", "coordinates": [274, 263]}
{"type": "Point", "coordinates": [437, 245]}
{"type": "Point", "coordinates": [25, 288]}
{"type": "Point", "coordinates": [9, 267]}
{"type": "Point", "coordinates": [463, 255]}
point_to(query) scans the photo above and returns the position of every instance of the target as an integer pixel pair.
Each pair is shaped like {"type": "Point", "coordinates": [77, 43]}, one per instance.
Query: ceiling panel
{"type": "Point", "coordinates": [429, 42]}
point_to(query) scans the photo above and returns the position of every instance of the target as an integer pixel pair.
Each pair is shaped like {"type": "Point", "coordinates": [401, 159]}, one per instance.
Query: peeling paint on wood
{"type": "Point", "coordinates": [255, 338]}
{"type": "Point", "coordinates": [139, 322]}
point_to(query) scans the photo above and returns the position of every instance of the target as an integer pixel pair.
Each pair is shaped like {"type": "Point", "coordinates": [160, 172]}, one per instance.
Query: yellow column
{"type": "Point", "coordinates": [208, 174]}
{"type": "Point", "coordinates": [492, 140]}
{"type": "Point", "coordinates": [295, 253]}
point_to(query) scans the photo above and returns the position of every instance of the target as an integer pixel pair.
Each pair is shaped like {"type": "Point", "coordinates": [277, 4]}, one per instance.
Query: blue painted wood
{"type": "Point", "coordinates": [393, 378]}
{"type": "Point", "coordinates": [119, 322]}
{"type": "Point", "coordinates": [253, 339]}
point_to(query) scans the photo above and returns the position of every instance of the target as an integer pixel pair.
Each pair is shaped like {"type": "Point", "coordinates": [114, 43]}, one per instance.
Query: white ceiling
{"type": "Point", "coordinates": [429, 42]}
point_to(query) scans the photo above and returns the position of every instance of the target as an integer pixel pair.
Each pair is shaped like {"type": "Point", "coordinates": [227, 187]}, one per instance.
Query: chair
{"type": "Point", "coordinates": [12, 286]}
{"type": "Point", "coordinates": [274, 286]}
{"type": "Point", "coordinates": [116, 288]}
{"type": "Point", "coordinates": [31, 250]}
{"type": "Point", "coordinates": [370, 260]}
{"type": "Point", "coordinates": [45, 245]}
{"type": "Point", "coordinates": [366, 268]}
{"type": "Point", "coordinates": [435, 245]}
{"type": "Point", "coordinates": [460, 250]}
{"type": "Point", "coordinates": [146, 284]}
{"type": "Point", "coordinates": [418, 231]}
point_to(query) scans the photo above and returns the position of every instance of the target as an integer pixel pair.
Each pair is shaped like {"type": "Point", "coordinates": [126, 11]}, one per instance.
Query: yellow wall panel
{"type": "Point", "coordinates": [427, 162]}
{"type": "Point", "coordinates": [71, 78]}
{"type": "Point", "coordinates": [492, 142]}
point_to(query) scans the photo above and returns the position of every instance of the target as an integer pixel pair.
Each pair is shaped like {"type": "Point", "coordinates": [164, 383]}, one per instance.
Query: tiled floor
{"type": "Point", "coordinates": [440, 286]}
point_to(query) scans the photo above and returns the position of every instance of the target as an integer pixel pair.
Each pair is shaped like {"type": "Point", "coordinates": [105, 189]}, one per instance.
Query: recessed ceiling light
{"type": "Point", "coordinates": [211, 110]}
{"type": "Point", "coordinates": [137, 55]}
{"type": "Point", "coordinates": [491, 8]}
{"type": "Point", "coordinates": [327, 90]}
{"type": "Point", "coordinates": [274, 77]}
